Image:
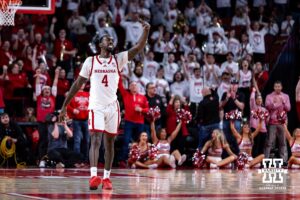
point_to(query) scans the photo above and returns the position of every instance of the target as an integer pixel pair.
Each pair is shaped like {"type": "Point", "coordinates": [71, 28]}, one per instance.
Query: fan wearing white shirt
{"type": "Point", "coordinates": [150, 67]}
{"type": "Point", "coordinates": [212, 72]}
{"type": "Point", "coordinates": [179, 86]}
{"type": "Point", "coordinates": [245, 83]}
{"type": "Point", "coordinates": [224, 85]}
{"type": "Point", "coordinates": [189, 13]}
{"type": "Point", "coordinates": [192, 48]}
{"type": "Point", "coordinates": [164, 44]}
{"type": "Point", "coordinates": [133, 29]}
{"type": "Point", "coordinates": [245, 47]}
{"type": "Point", "coordinates": [103, 29]}
{"type": "Point", "coordinates": [240, 18]}
{"type": "Point", "coordinates": [272, 27]}
{"type": "Point", "coordinates": [257, 40]}
{"type": "Point", "coordinates": [118, 12]}
{"type": "Point", "coordinates": [287, 25]}
{"type": "Point", "coordinates": [185, 37]}
{"type": "Point", "coordinates": [217, 46]}
{"type": "Point", "coordinates": [162, 86]}
{"type": "Point", "coordinates": [190, 64]}
{"type": "Point", "coordinates": [143, 11]}
{"type": "Point", "coordinates": [171, 16]}
{"type": "Point", "coordinates": [203, 18]}
{"type": "Point", "coordinates": [196, 83]}
{"type": "Point", "coordinates": [233, 44]}
{"type": "Point", "coordinates": [138, 77]}
{"type": "Point", "coordinates": [230, 66]}
{"type": "Point", "coordinates": [170, 66]}
{"type": "Point", "coordinates": [214, 27]}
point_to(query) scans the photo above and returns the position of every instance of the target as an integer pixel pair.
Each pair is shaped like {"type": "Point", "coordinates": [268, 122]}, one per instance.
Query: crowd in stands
{"type": "Point", "coordinates": [207, 57]}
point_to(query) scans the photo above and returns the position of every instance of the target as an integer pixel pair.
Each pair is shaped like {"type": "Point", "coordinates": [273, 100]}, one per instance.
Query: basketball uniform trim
{"type": "Point", "coordinates": [98, 60]}
{"type": "Point", "coordinates": [93, 119]}
{"type": "Point", "coordinates": [110, 59]}
{"type": "Point", "coordinates": [293, 143]}
{"type": "Point", "coordinates": [118, 107]}
{"type": "Point", "coordinates": [92, 67]}
{"type": "Point", "coordinates": [117, 66]}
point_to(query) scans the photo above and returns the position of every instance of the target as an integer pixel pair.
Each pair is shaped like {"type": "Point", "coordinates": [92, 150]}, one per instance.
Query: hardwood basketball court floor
{"type": "Point", "coordinates": [147, 184]}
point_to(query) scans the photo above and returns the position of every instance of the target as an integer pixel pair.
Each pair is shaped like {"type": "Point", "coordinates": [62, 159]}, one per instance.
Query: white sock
{"type": "Point", "coordinates": [106, 174]}
{"type": "Point", "coordinates": [93, 171]}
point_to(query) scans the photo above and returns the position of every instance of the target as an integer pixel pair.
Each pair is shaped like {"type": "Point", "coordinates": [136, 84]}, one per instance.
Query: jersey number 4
{"type": "Point", "coordinates": [105, 80]}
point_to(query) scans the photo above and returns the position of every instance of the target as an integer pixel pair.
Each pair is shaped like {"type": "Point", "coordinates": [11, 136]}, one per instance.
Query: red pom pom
{"type": "Point", "coordinates": [242, 160]}
{"type": "Point", "coordinates": [282, 116]}
{"type": "Point", "coordinates": [260, 114]}
{"type": "Point", "coordinates": [233, 115]}
{"type": "Point", "coordinates": [134, 154]}
{"type": "Point", "coordinates": [152, 152]}
{"type": "Point", "coordinates": [183, 115]}
{"type": "Point", "coordinates": [153, 114]}
{"type": "Point", "coordinates": [198, 159]}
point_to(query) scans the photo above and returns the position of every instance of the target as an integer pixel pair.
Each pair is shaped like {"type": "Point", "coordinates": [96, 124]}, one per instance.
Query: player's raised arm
{"type": "Point", "coordinates": [139, 46]}
{"type": "Point", "coordinates": [73, 90]}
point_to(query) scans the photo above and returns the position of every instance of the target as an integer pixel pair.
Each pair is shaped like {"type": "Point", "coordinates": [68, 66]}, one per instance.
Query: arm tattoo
{"type": "Point", "coordinates": [74, 89]}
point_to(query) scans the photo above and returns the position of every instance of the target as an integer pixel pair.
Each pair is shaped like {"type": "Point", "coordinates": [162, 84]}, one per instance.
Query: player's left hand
{"type": "Point", "coordinates": [146, 26]}
{"type": "Point", "coordinates": [62, 115]}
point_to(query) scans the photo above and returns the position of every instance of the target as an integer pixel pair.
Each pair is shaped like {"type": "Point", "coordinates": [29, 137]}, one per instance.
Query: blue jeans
{"type": "Point", "coordinates": [131, 131]}
{"type": "Point", "coordinates": [229, 136]}
{"type": "Point", "coordinates": [81, 134]}
{"type": "Point", "coordinates": [205, 133]}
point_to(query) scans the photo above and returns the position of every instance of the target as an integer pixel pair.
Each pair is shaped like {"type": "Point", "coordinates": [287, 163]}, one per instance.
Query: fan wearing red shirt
{"type": "Point", "coordinates": [136, 105]}
{"type": "Point", "coordinates": [63, 87]}
{"type": "Point", "coordinates": [45, 105]}
{"type": "Point", "coordinates": [261, 76]}
{"type": "Point", "coordinates": [40, 47]}
{"type": "Point", "coordinates": [175, 103]}
{"type": "Point", "coordinates": [6, 55]}
{"type": "Point", "coordinates": [78, 111]}
{"type": "Point", "coordinates": [63, 48]}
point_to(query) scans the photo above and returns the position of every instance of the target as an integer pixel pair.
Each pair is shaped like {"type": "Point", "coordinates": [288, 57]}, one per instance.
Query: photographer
{"type": "Point", "coordinates": [58, 133]}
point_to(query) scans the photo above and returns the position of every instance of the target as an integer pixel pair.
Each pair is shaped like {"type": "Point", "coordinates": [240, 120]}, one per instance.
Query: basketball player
{"type": "Point", "coordinates": [103, 70]}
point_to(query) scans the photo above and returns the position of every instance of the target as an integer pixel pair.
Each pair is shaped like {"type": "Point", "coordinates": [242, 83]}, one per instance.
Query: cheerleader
{"type": "Point", "coordinates": [143, 154]}
{"type": "Point", "coordinates": [294, 142]}
{"type": "Point", "coordinates": [163, 145]}
{"type": "Point", "coordinates": [214, 148]}
{"type": "Point", "coordinates": [245, 141]}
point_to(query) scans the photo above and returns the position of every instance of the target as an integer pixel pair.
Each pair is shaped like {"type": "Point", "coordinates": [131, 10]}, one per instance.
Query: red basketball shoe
{"type": "Point", "coordinates": [95, 181]}
{"type": "Point", "coordinates": [106, 184]}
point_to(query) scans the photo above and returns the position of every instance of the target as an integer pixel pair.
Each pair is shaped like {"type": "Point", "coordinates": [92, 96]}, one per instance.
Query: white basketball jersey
{"type": "Point", "coordinates": [104, 75]}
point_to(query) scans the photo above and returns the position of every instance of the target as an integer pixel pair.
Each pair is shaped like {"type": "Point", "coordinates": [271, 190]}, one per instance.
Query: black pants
{"type": "Point", "coordinates": [66, 156]}
{"type": "Point", "coordinates": [178, 143]}
{"type": "Point", "coordinates": [259, 143]}
{"type": "Point", "coordinates": [246, 92]}
{"type": "Point", "coordinates": [43, 140]}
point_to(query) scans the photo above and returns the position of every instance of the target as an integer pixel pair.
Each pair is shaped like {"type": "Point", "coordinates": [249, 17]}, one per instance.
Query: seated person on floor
{"type": "Point", "coordinates": [245, 142]}
{"type": "Point", "coordinates": [294, 142]}
{"type": "Point", "coordinates": [214, 148]}
{"type": "Point", "coordinates": [144, 154]}
{"type": "Point", "coordinates": [163, 145]}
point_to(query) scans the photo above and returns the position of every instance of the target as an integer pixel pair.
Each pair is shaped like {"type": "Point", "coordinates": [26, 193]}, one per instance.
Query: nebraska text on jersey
{"type": "Point", "coordinates": [105, 71]}
{"type": "Point", "coordinates": [104, 77]}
